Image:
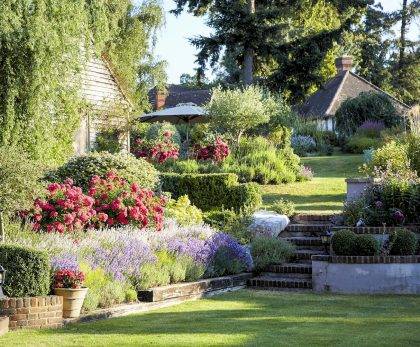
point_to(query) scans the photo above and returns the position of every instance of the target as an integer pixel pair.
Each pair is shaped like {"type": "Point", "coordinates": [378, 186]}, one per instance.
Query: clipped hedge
{"type": "Point", "coordinates": [28, 271]}
{"type": "Point", "coordinates": [213, 191]}
{"type": "Point", "coordinates": [403, 242]}
{"type": "Point", "coordinates": [346, 242]}
{"type": "Point", "coordinates": [82, 168]}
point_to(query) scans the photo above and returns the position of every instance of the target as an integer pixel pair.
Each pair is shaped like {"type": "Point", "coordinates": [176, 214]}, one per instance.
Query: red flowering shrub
{"type": "Point", "coordinates": [216, 152]}
{"type": "Point", "coordinates": [119, 203]}
{"type": "Point", "coordinates": [65, 208]}
{"type": "Point", "coordinates": [157, 151]}
{"type": "Point", "coordinates": [66, 278]}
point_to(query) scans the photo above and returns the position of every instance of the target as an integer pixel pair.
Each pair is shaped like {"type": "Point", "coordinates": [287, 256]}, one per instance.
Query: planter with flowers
{"type": "Point", "coordinates": [69, 285]}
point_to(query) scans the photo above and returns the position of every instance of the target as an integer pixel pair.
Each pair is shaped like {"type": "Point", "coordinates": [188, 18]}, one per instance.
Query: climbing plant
{"type": "Point", "coordinates": [44, 45]}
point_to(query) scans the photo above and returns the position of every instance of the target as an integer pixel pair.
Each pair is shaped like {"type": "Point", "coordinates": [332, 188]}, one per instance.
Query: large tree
{"type": "Point", "coordinates": [274, 36]}
{"type": "Point", "coordinates": [43, 45]}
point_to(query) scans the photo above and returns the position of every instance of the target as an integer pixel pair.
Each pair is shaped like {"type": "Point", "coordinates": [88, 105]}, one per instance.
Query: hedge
{"type": "Point", "coordinates": [213, 191]}
{"type": "Point", "coordinates": [28, 271]}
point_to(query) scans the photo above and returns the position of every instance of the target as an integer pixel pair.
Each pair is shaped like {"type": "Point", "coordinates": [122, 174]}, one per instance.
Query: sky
{"type": "Point", "coordinates": [174, 47]}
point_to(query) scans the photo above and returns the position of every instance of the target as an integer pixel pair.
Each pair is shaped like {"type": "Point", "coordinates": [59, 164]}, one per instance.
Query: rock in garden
{"type": "Point", "coordinates": [268, 223]}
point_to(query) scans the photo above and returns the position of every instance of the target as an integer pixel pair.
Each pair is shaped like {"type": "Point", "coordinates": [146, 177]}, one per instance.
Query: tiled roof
{"type": "Point", "coordinates": [345, 85]}
{"type": "Point", "coordinates": [177, 94]}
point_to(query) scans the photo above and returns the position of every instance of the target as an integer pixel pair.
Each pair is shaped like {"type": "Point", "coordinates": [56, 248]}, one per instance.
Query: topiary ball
{"type": "Point", "coordinates": [366, 245]}
{"type": "Point", "coordinates": [403, 242]}
{"type": "Point", "coordinates": [343, 242]}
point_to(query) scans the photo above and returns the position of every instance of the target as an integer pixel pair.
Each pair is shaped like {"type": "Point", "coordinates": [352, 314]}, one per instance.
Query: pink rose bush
{"type": "Point", "coordinates": [159, 151]}
{"type": "Point", "coordinates": [215, 152]}
{"type": "Point", "coordinates": [64, 209]}
{"type": "Point", "coordinates": [118, 203]}
{"type": "Point", "coordinates": [111, 201]}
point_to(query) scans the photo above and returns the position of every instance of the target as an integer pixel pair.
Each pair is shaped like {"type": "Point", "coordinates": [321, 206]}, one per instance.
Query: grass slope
{"type": "Point", "coordinates": [326, 192]}
{"type": "Point", "coordinates": [250, 318]}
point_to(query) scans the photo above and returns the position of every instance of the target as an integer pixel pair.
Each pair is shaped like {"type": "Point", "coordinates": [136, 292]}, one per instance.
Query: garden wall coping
{"type": "Point", "coordinates": [376, 230]}
{"type": "Point", "coordinates": [376, 259]}
{"type": "Point", "coordinates": [192, 288]}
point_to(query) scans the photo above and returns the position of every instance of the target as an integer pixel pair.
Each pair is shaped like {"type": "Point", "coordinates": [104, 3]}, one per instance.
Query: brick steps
{"type": "Point", "coordinates": [276, 275]}
{"type": "Point", "coordinates": [307, 241]}
{"type": "Point", "coordinates": [290, 268]}
{"type": "Point", "coordinates": [313, 217]}
{"type": "Point", "coordinates": [279, 283]}
{"type": "Point", "coordinates": [306, 254]}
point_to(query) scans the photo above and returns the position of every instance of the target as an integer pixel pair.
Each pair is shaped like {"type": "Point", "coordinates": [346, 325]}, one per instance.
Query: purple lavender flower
{"type": "Point", "coordinates": [236, 251]}
{"type": "Point", "coordinates": [195, 248]}
{"type": "Point", "coordinates": [65, 261]}
{"type": "Point", "coordinates": [123, 258]}
{"type": "Point", "coordinates": [372, 126]}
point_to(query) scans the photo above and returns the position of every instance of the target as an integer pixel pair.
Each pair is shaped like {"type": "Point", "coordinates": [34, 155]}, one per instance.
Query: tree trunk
{"type": "Point", "coordinates": [2, 233]}
{"type": "Point", "coordinates": [404, 15]}
{"type": "Point", "coordinates": [248, 67]}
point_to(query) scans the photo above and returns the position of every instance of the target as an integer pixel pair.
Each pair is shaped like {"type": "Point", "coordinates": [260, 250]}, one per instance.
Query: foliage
{"type": "Point", "coordinates": [118, 203]}
{"type": "Point", "coordinates": [81, 169]}
{"type": "Point", "coordinates": [66, 278]}
{"type": "Point", "coordinates": [391, 157]}
{"type": "Point", "coordinates": [303, 144]}
{"type": "Point", "coordinates": [212, 191]}
{"type": "Point", "coordinates": [343, 241]}
{"type": "Point", "coordinates": [283, 206]}
{"type": "Point", "coordinates": [366, 244]}
{"type": "Point", "coordinates": [64, 209]}
{"type": "Point", "coordinates": [270, 250]}
{"type": "Point", "coordinates": [183, 212]}
{"type": "Point", "coordinates": [232, 223]}
{"type": "Point", "coordinates": [233, 112]}
{"type": "Point", "coordinates": [305, 173]}
{"type": "Point", "coordinates": [360, 143]}
{"type": "Point", "coordinates": [258, 160]}
{"type": "Point", "coordinates": [413, 152]}
{"type": "Point", "coordinates": [185, 166]}
{"type": "Point", "coordinates": [352, 113]}
{"type": "Point", "coordinates": [108, 140]}
{"type": "Point", "coordinates": [19, 180]}
{"type": "Point", "coordinates": [371, 128]}
{"type": "Point", "coordinates": [28, 271]}
{"type": "Point", "coordinates": [403, 242]}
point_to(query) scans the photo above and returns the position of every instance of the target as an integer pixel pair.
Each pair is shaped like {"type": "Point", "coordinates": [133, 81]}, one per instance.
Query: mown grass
{"type": "Point", "coordinates": [252, 319]}
{"type": "Point", "coordinates": [326, 192]}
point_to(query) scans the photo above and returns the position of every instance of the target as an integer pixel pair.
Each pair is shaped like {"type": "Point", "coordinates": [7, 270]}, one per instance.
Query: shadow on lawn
{"type": "Point", "coordinates": [263, 319]}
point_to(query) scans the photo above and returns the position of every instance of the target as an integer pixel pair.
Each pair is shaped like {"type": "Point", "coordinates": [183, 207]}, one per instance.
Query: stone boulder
{"type": "Point", "coordinates": [268, 223]}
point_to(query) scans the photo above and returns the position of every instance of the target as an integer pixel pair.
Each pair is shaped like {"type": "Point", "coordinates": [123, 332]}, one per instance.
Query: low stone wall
{"type": "Point", "coordinates": [356, 187]}
{"type": "Point", "coordinates": [33, 312]}
{"type": "Point", "coordinates": [180, 290]}
{"type": "Point", "coordinates": [366, 274]}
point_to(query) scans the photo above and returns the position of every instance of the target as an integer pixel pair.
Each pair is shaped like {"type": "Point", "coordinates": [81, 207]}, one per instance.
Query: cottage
{"type": "Point", "coordinates": [322, 105]}
{"type": "Point", "coordinates": [102, 91]}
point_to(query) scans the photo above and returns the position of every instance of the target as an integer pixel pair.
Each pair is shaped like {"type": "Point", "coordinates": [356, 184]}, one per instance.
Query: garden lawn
{"type": "Point", "coordinates": [326, 192]}
{"type": "Point", "coordinates": [250, 318]}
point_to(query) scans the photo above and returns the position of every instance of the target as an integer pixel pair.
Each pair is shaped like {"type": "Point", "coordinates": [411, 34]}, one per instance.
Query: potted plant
{"type": "Point", "coordinates": [69, 285]}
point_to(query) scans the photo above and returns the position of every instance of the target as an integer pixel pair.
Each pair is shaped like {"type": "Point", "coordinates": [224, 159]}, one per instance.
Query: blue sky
{"type": "Point", "coordinates": [174, 47]}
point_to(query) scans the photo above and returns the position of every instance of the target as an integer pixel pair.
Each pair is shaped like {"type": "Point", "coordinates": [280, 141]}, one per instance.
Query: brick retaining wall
{"type": "Point", "coordinates": [33, 312]}
{"type": "Point", "coordinates": [366, 259]}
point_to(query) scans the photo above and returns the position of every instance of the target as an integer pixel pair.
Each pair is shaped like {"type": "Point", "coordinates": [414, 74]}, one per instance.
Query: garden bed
{"type": "Point", "coordinates": [366, 274]}
{"type": "Point", "coordinates": [181, 290]}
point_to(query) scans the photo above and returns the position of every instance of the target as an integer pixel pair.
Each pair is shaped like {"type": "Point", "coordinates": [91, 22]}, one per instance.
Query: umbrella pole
{"type": "Point", "coordinates": [187, 138]}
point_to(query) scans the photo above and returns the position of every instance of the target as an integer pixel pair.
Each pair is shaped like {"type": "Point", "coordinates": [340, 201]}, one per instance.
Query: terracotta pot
{"type": "Point", "coordinates": [72, 300]}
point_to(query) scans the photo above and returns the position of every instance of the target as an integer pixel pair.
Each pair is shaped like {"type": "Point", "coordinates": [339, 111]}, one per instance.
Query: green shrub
{"type": "Point", "coordinates": [183, 212]}
{"type": "Point", "coordinates": [19, 180]}
{"type": "Point", "coordinates": [367, 106]}
{"type": "Point", "coordinates": [268, 250]}
{"type": "Point", "coordinates": [224, 264]}
{"type": "Point", "coordinates": [28, 271]}
{"type": "Point", "coordinates": [413, 152]}
{"type": "Point", "coordinates": [343, 242]}
{"type": "Point", "coordinates": [283, 206]}
{"type": "Point", "coordinates": [232, 223]}
{"type": "Point", "coordinates": [153, 275]}
{"type": "Point", "coordinates": [403, 242]}
{"type": "Point", "coordinates": [186, 166]}
{"type": "Point", "coordinates": [358, 144]}
{"type": "Point", "coordinates": [213, 191]}
{"type": "Point", "coordinates": [194, 270]}
{"type": "Point", "coordinates": [366, 245]}
{"type": "Point", "coordinates": [109, 140]}
{"type": "Point", "coordinates": [82, 168]}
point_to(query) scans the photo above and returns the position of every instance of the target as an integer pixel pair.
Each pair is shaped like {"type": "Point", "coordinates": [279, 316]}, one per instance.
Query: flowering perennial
{"type": "Point", "coordinates": [159, 151]}
{"type": "Point", "coordinates": [66, 278]}
{"type": "Point", "coordinates": [64, 209]}
{"type": "Point", "coordinates": [118, 203]}
{"type": "Point", "coordinates": [216, 152]}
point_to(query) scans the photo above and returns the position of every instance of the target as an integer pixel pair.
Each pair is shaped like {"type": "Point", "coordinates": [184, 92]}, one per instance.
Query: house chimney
{"type": "Point", "coordinates": [160, 99]}
{"type": "Point", "coordinates": [343, 63]}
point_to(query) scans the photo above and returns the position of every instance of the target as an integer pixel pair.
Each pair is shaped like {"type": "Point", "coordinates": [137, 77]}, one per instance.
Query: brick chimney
{"type": "Point", "coordinates": [160, 99]}
{"type": "Point", "coordinates": [344, 63]}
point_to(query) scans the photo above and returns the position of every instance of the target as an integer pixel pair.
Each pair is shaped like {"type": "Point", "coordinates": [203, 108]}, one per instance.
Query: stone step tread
{"type": "Point", "coordinates": [304, 240]}
{"type": "Point", "coordinates": [310, 250]}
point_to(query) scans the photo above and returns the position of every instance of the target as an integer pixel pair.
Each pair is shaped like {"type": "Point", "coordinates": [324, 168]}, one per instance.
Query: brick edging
{"type": "Point", "coordinates": [376, 259]}
{"type": "Point", "coordinates": [376, 230]}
